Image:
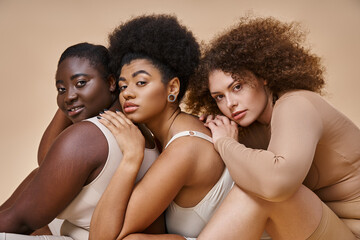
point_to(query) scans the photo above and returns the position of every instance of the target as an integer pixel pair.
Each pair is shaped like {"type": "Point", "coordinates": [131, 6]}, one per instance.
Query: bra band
{"type": "Point", "coordinates": [191, 134]}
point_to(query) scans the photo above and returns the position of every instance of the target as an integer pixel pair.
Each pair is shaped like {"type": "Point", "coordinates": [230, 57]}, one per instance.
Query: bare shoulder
{"type": "Point", "coordinates": [190, 122]}
{"type": "Point", "coordinates": [83, 141]}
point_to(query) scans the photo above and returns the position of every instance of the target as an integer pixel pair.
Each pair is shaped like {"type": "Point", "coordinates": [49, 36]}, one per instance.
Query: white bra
{"type": "Point", "coordinates": [191, 134]}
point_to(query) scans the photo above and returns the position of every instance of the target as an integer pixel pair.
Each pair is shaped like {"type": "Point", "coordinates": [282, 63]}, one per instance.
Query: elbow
{"type": "Point", "coordinates": [278, 191]}
{"type": "Point", "coordinates": [11, 223]}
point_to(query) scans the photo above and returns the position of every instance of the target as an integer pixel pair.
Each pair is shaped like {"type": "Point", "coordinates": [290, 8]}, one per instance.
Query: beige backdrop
{"type": "Point", "coordinates": [34, 33]}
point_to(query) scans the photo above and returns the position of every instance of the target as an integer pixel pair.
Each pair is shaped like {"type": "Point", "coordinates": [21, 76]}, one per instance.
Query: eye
{"type": "Point", "coordinates": [61, 90]}
{"type": "Point", "coordinates": [218, 97]}
{"type": "Point", "coordinates": [141, 83]}
{"type": "Point", "coordinates": [122, 87]}
{"type": "Point", "coordinates": [237, 87]}
{"type": "Point", "coordinates": [80, 83]}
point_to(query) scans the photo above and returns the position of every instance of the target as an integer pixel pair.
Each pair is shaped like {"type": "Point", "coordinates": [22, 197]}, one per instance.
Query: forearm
{"type": "Point", "coordinates": [11, 200]}
{"type": "Point", "coordinates": [259, 171]}
{"type": "Point", "coordinates": [56, 126]}
{"type": "Point", "coordinates": [109, 214]}
{"type": "Point", "coordinates": [11, 222]}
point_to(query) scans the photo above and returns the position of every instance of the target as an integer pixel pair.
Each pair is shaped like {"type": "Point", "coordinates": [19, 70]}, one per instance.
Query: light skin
{"type": "Point", "coordinates": [177, 175]}
{"type": "Point", "coordinates": [243, 104]}
{"type": "Point", "coordinates": [66, 168]}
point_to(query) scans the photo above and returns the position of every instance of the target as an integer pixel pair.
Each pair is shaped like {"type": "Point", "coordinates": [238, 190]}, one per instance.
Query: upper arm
{"type": "Point", "coordinates": [296, 128]}
{"type": "Point", "coordinates": [160, 185]}
{"type": "Point", "coordinates": [56, 126]}
{"type": "Point", "coordinates": [64, 171]}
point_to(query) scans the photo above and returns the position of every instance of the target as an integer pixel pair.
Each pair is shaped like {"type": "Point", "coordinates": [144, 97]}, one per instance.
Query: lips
{"type": "Point", "coordinates": [130, 107]}
{"type": "Point", "coordinates": [75, 110]}
{"type": "Point", "coordinates": [238, 115]}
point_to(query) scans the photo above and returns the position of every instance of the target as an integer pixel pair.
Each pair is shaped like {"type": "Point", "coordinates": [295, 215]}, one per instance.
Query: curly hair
{"type": "Point", "coordinates": [169, 46]}
{"type": "Point", "coordinates": [97, 55]}
{"type": "Point", "coordinates": [268, 48]}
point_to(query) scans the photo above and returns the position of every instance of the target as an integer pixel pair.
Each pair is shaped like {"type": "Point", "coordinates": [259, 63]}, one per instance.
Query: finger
{"type": "Point", "coordinates": [212, 126]}
{"type": "Point", "coordinates": [113, 129]}
{"type": "Point", "coordinates": [208, 122]}
{"type": "Point", "coordinates": [224, 119]}
{"type": "Point", "coordinates": [209, 118]}
{"type": "Point", "coordinates": [114, 118]}
{"type": "Point", "coordinates": [233, 123]}
{"type": "Point", "coordinates": [218, 122]}
{"type": "Point", "coordinates": [123, 116]}
{"type": "Point", "coordinates": [203, 117]}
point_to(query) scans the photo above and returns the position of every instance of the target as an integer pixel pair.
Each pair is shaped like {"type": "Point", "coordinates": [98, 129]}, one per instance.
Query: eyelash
{"type": "Point", "coordinates": [237, 85]}
{"type": "Point", "coordinates": [138, 83]}
{"type": "Point", "coordinates": [141, 83]}
{"type": "Point", "coordinates": [81, 82]}
{"type": "Point", "coordinates": [123, 87]}
{"type": "Point", "coordinates": [217, 98]}
{"type": "Point", "coordinates": [61, 90]}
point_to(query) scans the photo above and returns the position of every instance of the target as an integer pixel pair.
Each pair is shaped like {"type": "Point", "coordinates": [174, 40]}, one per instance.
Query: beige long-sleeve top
{"type": "Point", "coordinates": [311, 143]}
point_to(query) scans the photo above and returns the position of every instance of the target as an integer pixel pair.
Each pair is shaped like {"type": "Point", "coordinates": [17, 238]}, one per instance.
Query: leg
{"type": "Point", "coordinates": [296, 217]}
{"type": "Point", "coordinates": [245, 216]}
{"type": "Point", "coordinates": [240, 216]}
{"type": "Point", "coordinates": [354, 225]}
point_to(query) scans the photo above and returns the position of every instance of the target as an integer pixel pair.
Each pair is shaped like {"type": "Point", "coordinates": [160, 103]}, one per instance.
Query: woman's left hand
{"type": "Point", "coordinates": [222, 126]}
{"type": "Point", "coordinates": [128, 135]}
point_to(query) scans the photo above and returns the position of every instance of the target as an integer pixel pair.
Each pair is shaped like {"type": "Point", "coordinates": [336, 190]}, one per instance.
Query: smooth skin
{"type": "Point", "coordinates": [67, 166]}
{"type": "Point", "coordinates": [184, 172]}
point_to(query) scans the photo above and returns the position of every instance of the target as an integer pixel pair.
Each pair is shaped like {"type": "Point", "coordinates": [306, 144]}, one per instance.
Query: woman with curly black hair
{"type": "Point", "coordinates": [296, 160]}
{"type": "Point", "coordinates": [154, 57]}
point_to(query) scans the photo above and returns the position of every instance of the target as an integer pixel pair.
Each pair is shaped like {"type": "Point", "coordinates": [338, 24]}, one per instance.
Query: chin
{"type": "Point", "coordinates": [243, 123]}
{"type": "Point", "coordinates": [133, 118]}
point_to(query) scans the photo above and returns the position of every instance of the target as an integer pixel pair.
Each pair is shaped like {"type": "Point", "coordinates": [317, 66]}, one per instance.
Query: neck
{"type": "Point", "coordinates": [161, 125]}
{"type": "Point", "coordinates": [265, 117]}
{"type": "Point", "coordinates": [115, 106]}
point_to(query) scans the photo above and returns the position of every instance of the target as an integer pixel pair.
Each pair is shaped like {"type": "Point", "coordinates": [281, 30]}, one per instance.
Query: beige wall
{"type": "Point", "coordinates": [34, 33]}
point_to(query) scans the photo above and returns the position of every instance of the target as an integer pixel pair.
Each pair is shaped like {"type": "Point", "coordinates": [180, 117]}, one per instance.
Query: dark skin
{"type": "Point", "coordinates": [56, 126]}
{"type": "Point", "coordinates": [67, 166]}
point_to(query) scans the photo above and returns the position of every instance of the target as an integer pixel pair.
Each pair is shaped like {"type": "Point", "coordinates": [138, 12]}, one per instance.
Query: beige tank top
{"type": "Point", "coordinates": [80, 210]}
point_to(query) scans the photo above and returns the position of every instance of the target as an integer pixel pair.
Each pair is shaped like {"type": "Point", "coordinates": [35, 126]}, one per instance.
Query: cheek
{"type": "Point", "coordinates": [59, 101]}
{"type": "Point", "coordinates": [224, 109]}
{"type": "Point", "coordinates": [96, 93]}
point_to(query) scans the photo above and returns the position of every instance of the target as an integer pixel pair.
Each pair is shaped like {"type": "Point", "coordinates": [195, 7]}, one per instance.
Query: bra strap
{"type": "Point", "coordinates": [191, 134]}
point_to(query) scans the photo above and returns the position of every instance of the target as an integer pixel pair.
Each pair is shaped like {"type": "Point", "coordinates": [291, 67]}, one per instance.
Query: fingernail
{"type": "Point", "coordinates": [117, 110]}
{"type": "Point", "coordinates": [98, 117]}
{"type": "Point", "coordinates": [106, 110]}
{"type": "Point", "coordinates": [101, 112]}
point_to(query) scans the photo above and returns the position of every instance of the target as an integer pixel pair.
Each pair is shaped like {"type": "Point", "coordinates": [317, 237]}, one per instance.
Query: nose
{"type": "Point", "coordinates": [71, 96]}
{"type": "Point", "coordinates": [128, 93]}
{"type": "Point", "coordinates": [230, 101]}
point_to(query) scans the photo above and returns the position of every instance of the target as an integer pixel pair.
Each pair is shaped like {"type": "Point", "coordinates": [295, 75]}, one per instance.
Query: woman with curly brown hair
{"type": "Point", "coordinates": [296, 160]}
{"type": "Point", "coordinates": [154, 57]}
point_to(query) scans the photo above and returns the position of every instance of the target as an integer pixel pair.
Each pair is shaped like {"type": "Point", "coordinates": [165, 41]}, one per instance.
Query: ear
{"type": "Point", "coordinates": [112, 83]}
{"type": "Point", "coordinates": [174, 86]}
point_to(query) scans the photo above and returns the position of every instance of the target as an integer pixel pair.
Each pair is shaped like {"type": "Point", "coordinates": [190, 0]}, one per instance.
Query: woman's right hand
{"type": "Point", "coordinates": [221, 126]}
{"type": "Point", "coordinates": [127, 135]}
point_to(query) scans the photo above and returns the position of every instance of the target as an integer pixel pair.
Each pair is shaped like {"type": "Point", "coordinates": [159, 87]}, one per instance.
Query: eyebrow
{"type": "Point", "coordinates": [227, 87]}
{"type": "Point", "coordinates": [135, 74]}
{"type": "Point", "coordinates": [78, 75]}
{"type": "Point", "coordinates": [73, 77]}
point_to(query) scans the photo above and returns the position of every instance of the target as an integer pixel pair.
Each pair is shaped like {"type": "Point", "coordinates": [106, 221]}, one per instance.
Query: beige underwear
{"type": "Point", "coordinates": [331, 227]}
